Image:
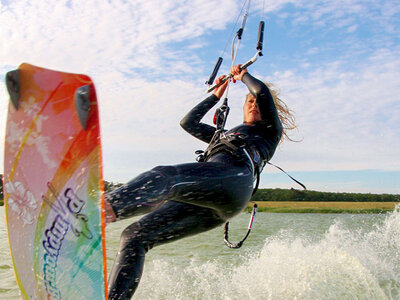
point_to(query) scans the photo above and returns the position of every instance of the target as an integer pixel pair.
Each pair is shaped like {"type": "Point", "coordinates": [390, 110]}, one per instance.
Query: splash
{"type": "Point", "coordinates": [342, 264]}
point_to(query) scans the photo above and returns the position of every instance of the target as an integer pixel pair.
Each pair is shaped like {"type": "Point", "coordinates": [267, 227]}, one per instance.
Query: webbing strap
{"type": "Point", "coordinates": [239, 244]}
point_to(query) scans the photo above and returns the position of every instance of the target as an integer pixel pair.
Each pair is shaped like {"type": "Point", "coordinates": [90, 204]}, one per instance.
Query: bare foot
{"type": "Point", "coordinates": [109, 212]}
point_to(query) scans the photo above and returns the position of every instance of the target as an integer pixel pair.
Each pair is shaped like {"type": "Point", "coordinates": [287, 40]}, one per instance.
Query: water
{"type": "Point", "coordinates": [287, 256]}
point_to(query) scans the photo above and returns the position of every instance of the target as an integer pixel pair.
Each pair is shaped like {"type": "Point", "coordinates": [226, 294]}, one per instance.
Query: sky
{"type": "Point", "coordinates": [335, 62]}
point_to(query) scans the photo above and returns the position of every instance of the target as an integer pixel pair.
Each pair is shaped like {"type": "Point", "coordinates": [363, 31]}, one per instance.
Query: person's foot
{"type": "Point", "coordinates": [109, 212]}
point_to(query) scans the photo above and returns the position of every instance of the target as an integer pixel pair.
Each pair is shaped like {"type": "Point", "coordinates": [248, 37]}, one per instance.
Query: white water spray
{"type": "Point", "coordinates": [342, 264]}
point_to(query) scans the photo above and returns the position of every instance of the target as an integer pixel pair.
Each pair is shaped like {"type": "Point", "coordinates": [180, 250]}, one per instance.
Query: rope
{"type": "Point", "coordinates": [222, 112]}
{"type": "Point", "coordinates": [239, 38]}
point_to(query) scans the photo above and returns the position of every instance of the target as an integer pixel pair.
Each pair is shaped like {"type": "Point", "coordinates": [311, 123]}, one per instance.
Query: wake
{"type": "Point", "coordinates": [342, 264]}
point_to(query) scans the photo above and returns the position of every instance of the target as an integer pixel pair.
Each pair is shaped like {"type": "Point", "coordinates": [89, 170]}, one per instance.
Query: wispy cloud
{"type": "Point", "coordinates": [95, 36]}
{"type": "Point", "coordinates": [349, 119]}
{"type": "Point", "coordinates": [126, 47]}
{"type": "Point", "coordinates": [336, 63]}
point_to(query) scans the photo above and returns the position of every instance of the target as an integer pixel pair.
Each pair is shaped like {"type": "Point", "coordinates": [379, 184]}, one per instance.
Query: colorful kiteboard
{"type": "Point", "coordinates": [53, 185]}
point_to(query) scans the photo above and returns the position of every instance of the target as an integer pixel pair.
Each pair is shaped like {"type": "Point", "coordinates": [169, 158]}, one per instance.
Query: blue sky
{"type": "Point", "coordinates": [336, 63]}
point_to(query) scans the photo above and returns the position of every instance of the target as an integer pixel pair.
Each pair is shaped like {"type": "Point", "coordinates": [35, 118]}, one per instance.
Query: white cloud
{"type": "Point", "coordinates": [349, 119]}
{"type": "Point", "coordinates": [126, 47]}
{"type": "Point", "coordinates": [144, 57]}
{"type": "Point", "coordinates": [102, 36]}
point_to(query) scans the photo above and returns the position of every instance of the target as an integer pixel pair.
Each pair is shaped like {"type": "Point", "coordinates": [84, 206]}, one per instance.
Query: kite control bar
{"type": "Point", "coordinates": [244, 66]}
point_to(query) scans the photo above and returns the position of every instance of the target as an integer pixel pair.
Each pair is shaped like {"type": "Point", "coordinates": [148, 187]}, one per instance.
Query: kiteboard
{"type": "Point", "coordinates": [53, 185]}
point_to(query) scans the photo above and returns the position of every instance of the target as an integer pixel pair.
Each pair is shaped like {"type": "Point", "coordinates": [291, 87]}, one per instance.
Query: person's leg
{"type": "Point", "coordinates": [172, 221]}
{"type": "Point", "coordinates": [141, 195]}
{"type": "Point", "coordinates": [200, 197]}
{"type": "Point", "coordinates": [224, 187]}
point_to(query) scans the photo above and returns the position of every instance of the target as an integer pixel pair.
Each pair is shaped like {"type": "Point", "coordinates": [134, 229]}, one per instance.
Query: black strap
{"type": "Point", "coordinates": [298, 182]}
{"type": "Point", "coordinates": [257, 173]}
{"type": "Point", "coordinates": [226, 230]}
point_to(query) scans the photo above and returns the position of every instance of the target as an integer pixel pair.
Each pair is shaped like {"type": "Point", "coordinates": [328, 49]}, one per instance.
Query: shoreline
{"type": "Point", "coordinates": [321, 207]}
{"type": "Point", "coordinates": [327, 207]}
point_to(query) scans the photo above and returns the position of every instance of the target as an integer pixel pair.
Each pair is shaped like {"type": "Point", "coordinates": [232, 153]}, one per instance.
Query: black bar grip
{"type": "Point", "coordinates": [240, 31]}
{"type": "Point", "coordinates": [229, 76]}
{"type": "Point", "coordinates": [214, 73]}
{"type": "Point", "coordinates": [260, 36]}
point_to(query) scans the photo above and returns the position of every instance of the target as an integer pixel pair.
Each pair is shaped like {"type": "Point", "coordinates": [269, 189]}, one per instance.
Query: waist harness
{"type": "Point", "coordinates": [225, 144]}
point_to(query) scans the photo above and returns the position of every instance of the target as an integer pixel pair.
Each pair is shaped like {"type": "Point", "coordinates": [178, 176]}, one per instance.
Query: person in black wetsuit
{"type": "Point", "coordinates": [188, 199]}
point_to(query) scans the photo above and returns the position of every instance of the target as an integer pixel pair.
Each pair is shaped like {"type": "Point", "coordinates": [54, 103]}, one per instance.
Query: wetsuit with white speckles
{"type": "Point", "coordinates": [187, 199]}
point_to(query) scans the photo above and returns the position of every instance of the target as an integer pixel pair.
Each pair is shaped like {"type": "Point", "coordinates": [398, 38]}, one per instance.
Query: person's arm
{"type": "Point", "coordinates": [265, 103]}
{"type": "Point", "coordinates": [191, 122]}
{"type": "Point", "coordinates": [270, 125]}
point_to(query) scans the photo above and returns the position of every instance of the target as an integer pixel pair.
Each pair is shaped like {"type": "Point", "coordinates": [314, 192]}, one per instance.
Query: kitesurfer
{"type": "Point", "coordinates": [201, 195]}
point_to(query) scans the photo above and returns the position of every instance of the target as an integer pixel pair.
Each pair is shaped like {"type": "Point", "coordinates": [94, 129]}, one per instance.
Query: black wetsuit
{"type": "Point", "coordinates": [201, 196]}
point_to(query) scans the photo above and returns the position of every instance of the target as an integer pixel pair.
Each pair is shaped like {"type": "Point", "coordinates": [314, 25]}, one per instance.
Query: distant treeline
{"type": "Point", "coordinates": [1, 189]}
{"type": "Point", "coordinates": [300, 195]}
{"type": "Point", "coordinates": [109, 186]}
{"type": "Point", "coordinates": [286, 195]}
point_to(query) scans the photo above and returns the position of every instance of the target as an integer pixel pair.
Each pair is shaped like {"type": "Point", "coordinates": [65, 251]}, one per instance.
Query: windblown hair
{"type": "Point", "coordinates": [286, 115]}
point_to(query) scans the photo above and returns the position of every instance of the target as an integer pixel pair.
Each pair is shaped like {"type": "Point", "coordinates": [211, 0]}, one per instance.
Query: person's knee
{"type": "Point", "coordinates": [130, 235]}
{"type": "Point", "coordinates": [132, 238]}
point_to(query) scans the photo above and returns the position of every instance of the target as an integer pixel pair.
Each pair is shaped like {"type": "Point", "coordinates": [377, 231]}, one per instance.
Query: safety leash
{"type": "Point", "coordinates": [250, 227]}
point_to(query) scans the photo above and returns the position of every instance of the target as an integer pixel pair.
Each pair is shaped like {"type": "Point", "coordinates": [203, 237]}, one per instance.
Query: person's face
{"type": "Point", "coordinates": [251, 111]}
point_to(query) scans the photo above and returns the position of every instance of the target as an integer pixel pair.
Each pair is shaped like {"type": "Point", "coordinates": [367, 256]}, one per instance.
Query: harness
{"type": "Point", "coordinates": [222, 142]}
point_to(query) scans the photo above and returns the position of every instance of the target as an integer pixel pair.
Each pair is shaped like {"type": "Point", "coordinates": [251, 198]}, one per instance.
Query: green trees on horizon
{"type": "Point", "coordinates": [1, 189]}
{"type": "Point", "coordinates": [285, 195]}
{"type": "Point", "coordinates": [108, 186]}
{"type": "Point", "coordinates": [300, 195]}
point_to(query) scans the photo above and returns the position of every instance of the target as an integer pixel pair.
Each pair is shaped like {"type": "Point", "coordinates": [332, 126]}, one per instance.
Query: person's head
{"type": "Point", "coordinates": [252, 113]}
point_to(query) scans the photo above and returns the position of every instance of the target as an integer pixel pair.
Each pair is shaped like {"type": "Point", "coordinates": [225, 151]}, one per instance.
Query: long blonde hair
{"type": "Point", "coordinates": [286, 115]}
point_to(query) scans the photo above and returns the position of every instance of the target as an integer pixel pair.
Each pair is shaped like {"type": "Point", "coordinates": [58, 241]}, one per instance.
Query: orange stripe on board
{"type": "Point", "coordinates": [11, 177]}
{"type": "Point", "coordinates": [103, 225]}
{"type": "Point", "coordinates": [83, 144]}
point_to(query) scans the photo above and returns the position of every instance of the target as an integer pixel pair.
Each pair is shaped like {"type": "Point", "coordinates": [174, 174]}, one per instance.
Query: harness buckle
{"type": "Point", "coordinates": [200, 155]}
